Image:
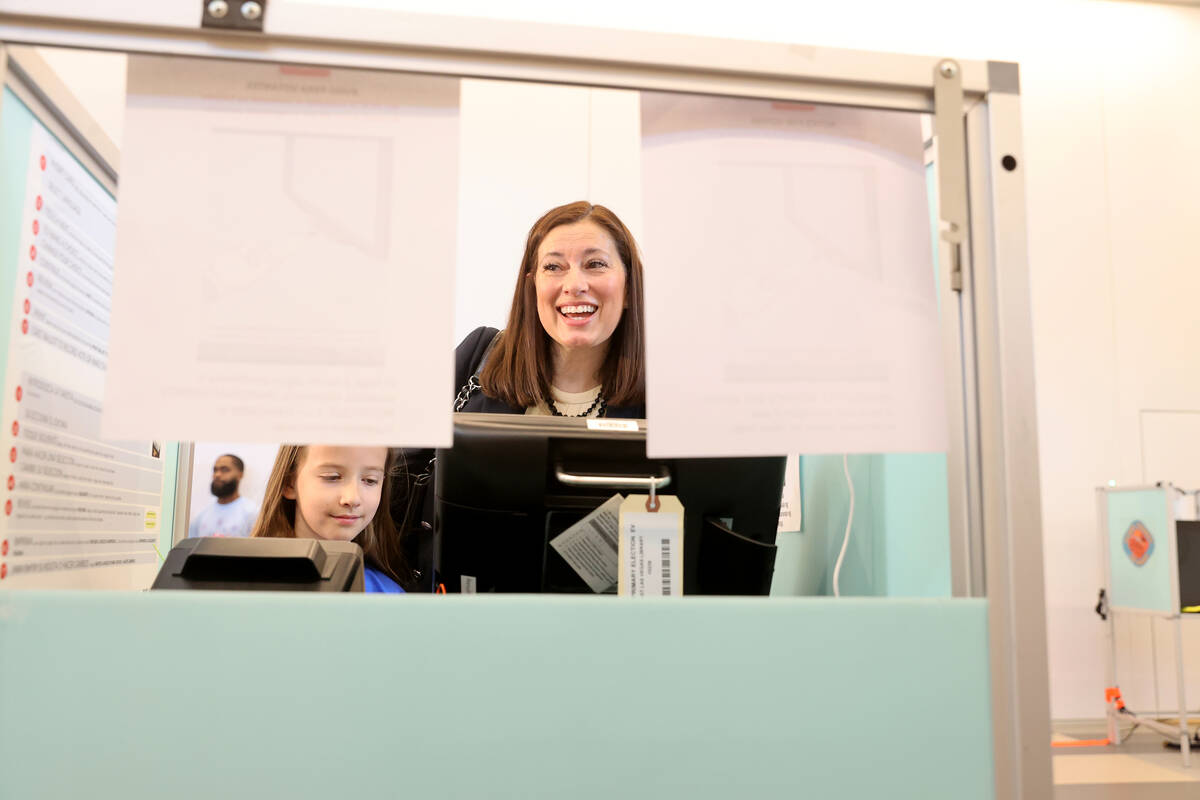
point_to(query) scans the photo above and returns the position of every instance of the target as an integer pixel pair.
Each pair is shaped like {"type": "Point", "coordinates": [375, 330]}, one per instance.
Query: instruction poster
{"type": "Point", "coordinates": [79, 512]}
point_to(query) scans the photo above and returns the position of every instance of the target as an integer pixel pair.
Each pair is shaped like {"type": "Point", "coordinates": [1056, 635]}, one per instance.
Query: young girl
{"type": "Point", "coordinates": [321, 491]}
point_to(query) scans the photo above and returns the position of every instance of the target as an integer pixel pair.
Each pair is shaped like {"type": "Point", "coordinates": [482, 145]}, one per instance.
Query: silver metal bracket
{"type": "Point", "coordinates": [233, 15]}
{"type": "Point", "coordinates": [951, 161]}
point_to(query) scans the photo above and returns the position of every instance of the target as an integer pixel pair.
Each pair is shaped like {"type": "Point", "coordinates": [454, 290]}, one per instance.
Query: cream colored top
{"type": "Point", "coordinates": [569, 404]}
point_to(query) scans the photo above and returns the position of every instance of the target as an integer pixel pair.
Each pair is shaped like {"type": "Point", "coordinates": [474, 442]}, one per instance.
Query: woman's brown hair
{"type": "Point", "coordinates": [519, 369]}
{"type": "Point", "coordinates": [380, 540]}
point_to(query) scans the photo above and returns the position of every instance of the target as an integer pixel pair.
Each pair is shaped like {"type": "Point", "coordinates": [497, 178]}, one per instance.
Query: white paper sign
{"type": "Point", "coordinates": [590, 545]}
{"type": "Point", "coordinates": [285, 254]}
{"type": "Point", "coordinates": [790, 300]}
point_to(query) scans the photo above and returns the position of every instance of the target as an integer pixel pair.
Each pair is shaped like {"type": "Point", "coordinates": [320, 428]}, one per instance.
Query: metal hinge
{"type": "Point", "coordinates": [951, 162]}
{"type": "Point", "coordinates": [233, 14]}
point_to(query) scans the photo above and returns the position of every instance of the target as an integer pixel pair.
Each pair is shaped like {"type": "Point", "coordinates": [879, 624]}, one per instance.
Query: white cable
{"type": "Point", "coordinates": [837, 569]}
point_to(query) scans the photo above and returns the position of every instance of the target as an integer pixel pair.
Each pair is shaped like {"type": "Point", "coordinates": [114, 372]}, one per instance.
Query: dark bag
{"type": "Point", "coordinates": [412, 508]}
{"type": "Point", "coordinates": [472, 384]}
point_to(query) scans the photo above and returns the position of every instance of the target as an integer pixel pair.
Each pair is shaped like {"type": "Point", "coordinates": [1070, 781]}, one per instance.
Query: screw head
{"type": "Point", "coordinates": [217, 9]}
{"type": "Point", "coordinates": [251, 10]}
{"type": "Point", "coordinates": [948, 69]}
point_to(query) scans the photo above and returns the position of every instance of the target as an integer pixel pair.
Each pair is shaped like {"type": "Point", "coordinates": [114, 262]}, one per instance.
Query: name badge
{"type": "Point", "coordinates": [605, 424]}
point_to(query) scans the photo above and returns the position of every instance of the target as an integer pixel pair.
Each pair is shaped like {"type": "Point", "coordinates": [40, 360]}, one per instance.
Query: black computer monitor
{"type": "Point", "coordinates": [296, 565]}
{"type": "Point", "coordinates": [1187, 536]}
{"type": "Point", "coordinates": [499, 500]}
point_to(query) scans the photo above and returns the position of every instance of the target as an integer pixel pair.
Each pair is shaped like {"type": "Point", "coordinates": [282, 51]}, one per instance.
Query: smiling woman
{"type": "Point", "coordinates": [574, 345]}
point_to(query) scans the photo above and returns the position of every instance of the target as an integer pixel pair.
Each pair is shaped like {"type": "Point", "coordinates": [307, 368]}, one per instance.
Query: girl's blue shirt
{"type": "Point", "coordinates": [376, 581]}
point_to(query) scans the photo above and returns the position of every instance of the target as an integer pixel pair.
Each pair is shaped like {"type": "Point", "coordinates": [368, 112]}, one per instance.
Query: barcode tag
{"type": "Point", "coordinates": [650, 553]}
{"type": "Point", "coordinates": [590, 545]}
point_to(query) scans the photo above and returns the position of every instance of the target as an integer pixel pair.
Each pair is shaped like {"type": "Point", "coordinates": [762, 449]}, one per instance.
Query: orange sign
{"type": "Point", "coordinates": [1139, 544]}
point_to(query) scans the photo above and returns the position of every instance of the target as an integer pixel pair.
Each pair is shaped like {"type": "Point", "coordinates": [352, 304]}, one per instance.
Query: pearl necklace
{"type": "Point", "coordinates": [599, 402]}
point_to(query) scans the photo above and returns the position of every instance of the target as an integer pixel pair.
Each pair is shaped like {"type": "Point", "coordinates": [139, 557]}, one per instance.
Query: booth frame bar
{"type": "Point", "coordinates": [36, 84]}
{"type": "Point", "coordinates": [1112, 715]}
{"type": "Point", "coordinates": [992, 463]}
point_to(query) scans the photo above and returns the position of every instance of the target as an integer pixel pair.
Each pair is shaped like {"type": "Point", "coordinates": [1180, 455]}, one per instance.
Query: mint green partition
{"type": "Point", "coordinates": [900, 537]}
{"type": "Point", "coordinates": [1148, 583]}
{"type": "Point", "coordinates": [213, 694]}
{"type": "Point", "coordinates": [14, 151]}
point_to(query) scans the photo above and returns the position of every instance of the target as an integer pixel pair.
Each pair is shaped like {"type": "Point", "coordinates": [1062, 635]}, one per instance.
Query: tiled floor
{"type": "Point", "coordinates": [1141, 768]}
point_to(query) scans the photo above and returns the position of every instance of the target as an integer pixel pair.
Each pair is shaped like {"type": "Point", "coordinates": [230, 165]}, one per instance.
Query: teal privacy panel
{"type": "Point", "coordinates": [166, 530]}
{"type": "Point", "coordinates": [915, 521]}
{"type": "Point", "coordinates": [214, 694]}
{"type": "Point", "coordinates": [1146, 586]}
{"type": "Point", "coordinates": [900, 536]}
{"type": "Point", "coordinates": [16, 122]}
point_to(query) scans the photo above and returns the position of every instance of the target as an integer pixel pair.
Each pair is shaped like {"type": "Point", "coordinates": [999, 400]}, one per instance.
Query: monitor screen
{"type": "Point", "coordinates": [1187, 534]}
{"type": "Point", "coordinates": [512, 483]}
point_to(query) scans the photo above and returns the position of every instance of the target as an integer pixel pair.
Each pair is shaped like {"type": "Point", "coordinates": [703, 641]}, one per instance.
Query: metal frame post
{"type": "Point", "coordinates": [1169, 491]}
{"type": "Point", "coordinates": [1110, 711]}
{"type": "Point", "coordinates": [1008, 461]}
{"type": "Point", "coordinates": [183, 491]}
{"type": "Point", "coordinates": [1185, 733]}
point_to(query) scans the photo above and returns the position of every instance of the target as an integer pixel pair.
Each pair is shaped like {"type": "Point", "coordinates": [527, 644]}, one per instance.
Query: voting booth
{"type": "Point", "coordinates": [905, 385]}
{"type": "Point", "coordinates": [1152, 573]}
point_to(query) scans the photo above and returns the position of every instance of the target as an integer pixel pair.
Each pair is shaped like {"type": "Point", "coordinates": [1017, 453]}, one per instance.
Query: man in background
{"type": "Point", "coordinates": [231, 514]}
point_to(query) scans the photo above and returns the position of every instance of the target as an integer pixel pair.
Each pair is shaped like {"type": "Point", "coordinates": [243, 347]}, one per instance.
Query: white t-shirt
{"type": "Point", "coordinates": [225, 519]}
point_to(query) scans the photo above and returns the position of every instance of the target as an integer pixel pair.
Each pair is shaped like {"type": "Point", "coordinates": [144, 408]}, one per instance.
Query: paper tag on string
{"type": "Point", "coordinates": [650, 552]}
{"type": "Point", "coordinates": [590, 545]}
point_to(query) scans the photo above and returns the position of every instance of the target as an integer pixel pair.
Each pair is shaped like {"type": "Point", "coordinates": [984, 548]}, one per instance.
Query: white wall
{"type": "Point", "coordinates": [1111, 105]}
{"type": "Point", "coordinates": [524, 149]}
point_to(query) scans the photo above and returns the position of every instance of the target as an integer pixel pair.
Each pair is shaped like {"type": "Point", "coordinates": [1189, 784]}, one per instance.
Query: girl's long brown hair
{"type": "Point", "coordinates": [518, 371]}
{"type": "Point", "coordinates": [380, 540]}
